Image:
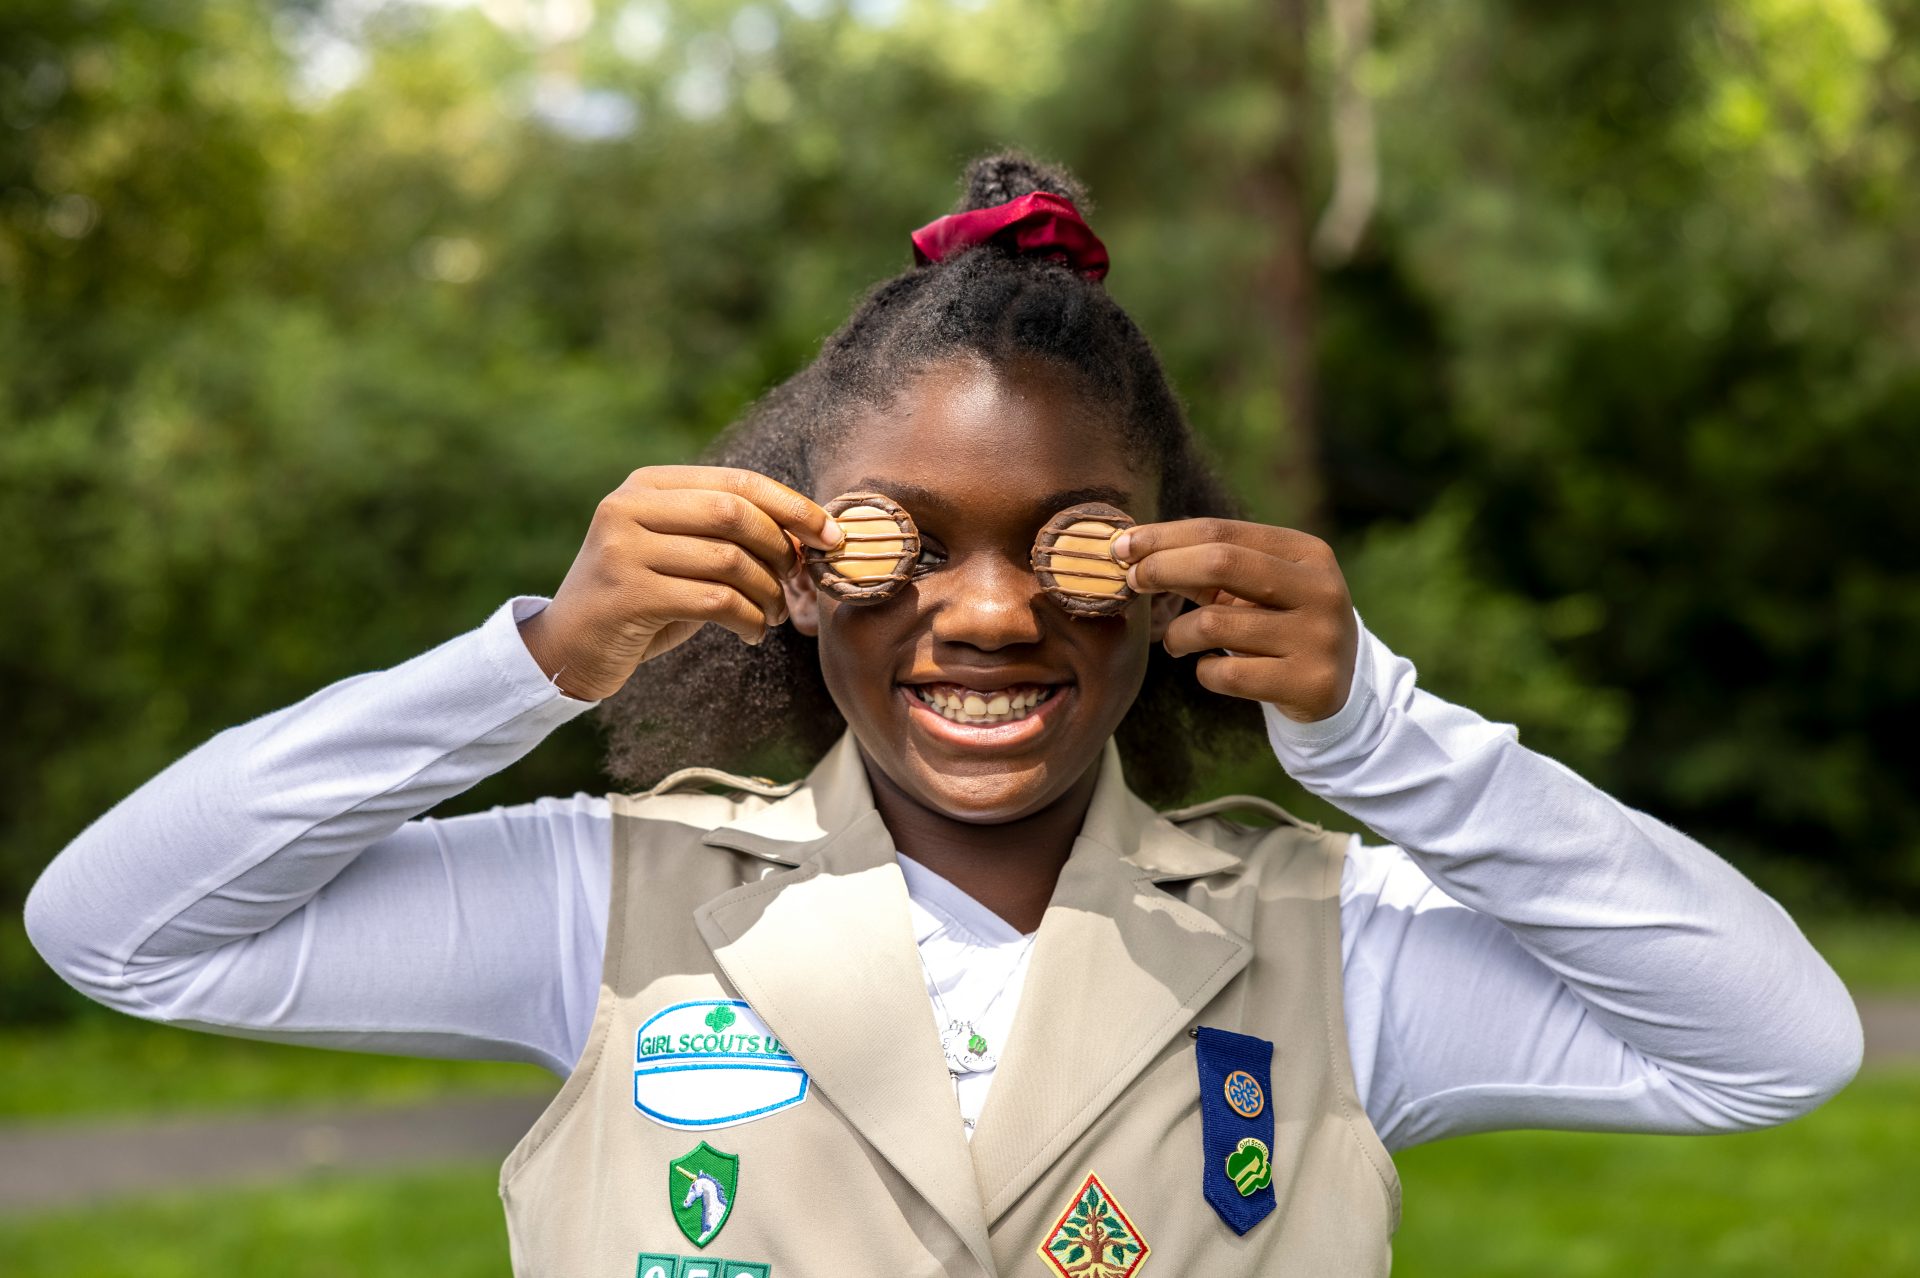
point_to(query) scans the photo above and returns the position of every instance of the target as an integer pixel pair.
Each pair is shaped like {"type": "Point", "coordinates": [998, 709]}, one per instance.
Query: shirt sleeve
{"type": "Point", "coordinates": [1534, 953]}
{"type": "Point", "coordinates": [278, 881]}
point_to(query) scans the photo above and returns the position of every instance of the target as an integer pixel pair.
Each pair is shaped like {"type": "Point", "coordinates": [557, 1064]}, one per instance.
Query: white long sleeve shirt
{"type": "Point", "coordinates": [1532, 953]}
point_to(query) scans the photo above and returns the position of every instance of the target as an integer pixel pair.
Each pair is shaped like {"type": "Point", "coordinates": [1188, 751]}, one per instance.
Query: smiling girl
{"type": "Point", "coordinates": [961, 1000]}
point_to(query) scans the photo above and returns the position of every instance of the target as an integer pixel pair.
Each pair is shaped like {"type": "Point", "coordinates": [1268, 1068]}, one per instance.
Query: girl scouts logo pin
{"type": "Point", "coordinates": [1236, 1125]}
{"type": "Point", "coordinates": [1250, 1167]}
{"type": "Point", "coordinates": [712, 1063]}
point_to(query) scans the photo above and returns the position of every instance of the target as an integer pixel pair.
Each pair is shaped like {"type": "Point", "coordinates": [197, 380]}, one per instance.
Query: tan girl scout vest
{"type": "Point", "coordinates": [763, 1093]}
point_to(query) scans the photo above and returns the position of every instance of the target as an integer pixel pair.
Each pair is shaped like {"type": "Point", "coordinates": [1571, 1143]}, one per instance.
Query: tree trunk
{"type": "Point", "coordinates": [1356, 155]}
{"type": "Point", "coordinates": [1282, 201]}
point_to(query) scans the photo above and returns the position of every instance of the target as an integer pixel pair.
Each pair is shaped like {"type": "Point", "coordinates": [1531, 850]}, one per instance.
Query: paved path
{"type": "Point", "coordinates": [45, 1165]}
{"type": "Point", "coordinates": [1893, 1027]}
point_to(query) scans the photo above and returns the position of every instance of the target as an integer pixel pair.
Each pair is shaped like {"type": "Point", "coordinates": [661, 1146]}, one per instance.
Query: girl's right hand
{"type": "Point", "coordinates": [671, 549]}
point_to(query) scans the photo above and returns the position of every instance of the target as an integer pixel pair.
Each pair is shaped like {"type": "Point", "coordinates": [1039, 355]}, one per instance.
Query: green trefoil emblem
{"type": "Point", "coordinates": [701, 1184]}
{"type": "Point", "coordinates": [719, 1018]}
{"type": "Point", "coordinates": [1249, 1167]}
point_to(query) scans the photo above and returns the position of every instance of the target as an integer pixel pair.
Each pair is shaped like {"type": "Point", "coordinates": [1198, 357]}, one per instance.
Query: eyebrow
{"type": "Point", "coordinates": [912, 495]}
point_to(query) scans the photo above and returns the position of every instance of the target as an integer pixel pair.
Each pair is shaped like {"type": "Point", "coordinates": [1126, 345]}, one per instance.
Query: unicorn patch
{"type": "Point", "coordinates": [712, 1063]}
{"type": "Point", "coordinates": [701, 1185]}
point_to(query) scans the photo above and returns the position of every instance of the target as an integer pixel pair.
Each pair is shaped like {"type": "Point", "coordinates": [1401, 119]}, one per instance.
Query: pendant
{"type": "Point", "coordinates": [965, 1048]}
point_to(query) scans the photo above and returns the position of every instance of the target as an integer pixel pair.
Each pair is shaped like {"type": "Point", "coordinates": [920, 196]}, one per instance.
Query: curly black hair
{"type": "Point", "coordinates": [717, 701]}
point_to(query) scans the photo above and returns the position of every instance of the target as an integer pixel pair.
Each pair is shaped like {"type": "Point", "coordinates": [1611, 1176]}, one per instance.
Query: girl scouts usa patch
{"type": "Point", "coordinates": [1093, 1237]}
{"type": "Point", "coordinates": [712, 1063]}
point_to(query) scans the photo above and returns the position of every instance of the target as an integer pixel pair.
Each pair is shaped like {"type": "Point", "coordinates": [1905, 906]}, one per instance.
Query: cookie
{"type": "Point", "coordinates": [1073, 557]}
{"type": "Point", "coordinates": [876, 558]}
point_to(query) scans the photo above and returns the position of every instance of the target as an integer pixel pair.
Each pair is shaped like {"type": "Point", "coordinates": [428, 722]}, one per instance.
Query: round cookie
{"type": "Point", "coordinates": [1073, 557]}
{"type": "Point", "coordinates": [874, 561]}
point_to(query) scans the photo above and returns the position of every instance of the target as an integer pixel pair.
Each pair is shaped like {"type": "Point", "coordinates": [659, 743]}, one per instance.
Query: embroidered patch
{"type": "Point", "coordinates": [712, 1063]}
{"type": "Point", "coordinates": [1250, 1167]}
{"type": "Point", "coordinates": [1244, 1094]}
{"type": "Point", "coordinates": [1093, 1237]}
{"type": "Point", "coordinates": [700, 1189]}
{"type": "Point", "coordinates": [661, 1265]}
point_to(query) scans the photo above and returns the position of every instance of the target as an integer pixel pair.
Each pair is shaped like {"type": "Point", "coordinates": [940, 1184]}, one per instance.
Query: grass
{"type": "Point", "coordinates": [1828, 1195]}
{"type": "Point", "coordinates": [115, 1066]}
{"type": "Point", "coordinates": [441, 1221]}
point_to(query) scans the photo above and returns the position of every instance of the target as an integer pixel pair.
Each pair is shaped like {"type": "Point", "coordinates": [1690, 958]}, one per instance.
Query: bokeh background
{"type": "Point", "coordinates": [1587, 334]}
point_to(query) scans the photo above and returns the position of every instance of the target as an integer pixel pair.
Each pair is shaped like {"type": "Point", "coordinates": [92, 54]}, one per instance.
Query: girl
{"type": "Point", "coordinates": [960, 1001]}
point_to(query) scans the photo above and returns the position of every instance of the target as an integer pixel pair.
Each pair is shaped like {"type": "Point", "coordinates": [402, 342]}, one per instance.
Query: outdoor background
{"type": "Point", "coordinates": [1587, 334]}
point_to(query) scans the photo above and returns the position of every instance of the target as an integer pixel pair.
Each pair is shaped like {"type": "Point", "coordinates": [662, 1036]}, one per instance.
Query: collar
{"type": "Point", "coordinates": [836, 796]}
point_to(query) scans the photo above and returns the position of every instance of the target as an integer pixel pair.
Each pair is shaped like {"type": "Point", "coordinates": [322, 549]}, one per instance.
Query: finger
{"type": "Point", "coordinates": [1201, 571]}
{"type": "Point", "coordinates": [685, 599]}
{"type": "Point", "coordinates": [725, 562]}
{"type": "Point", "coordinates": [1282, 543]}
{"type": "Point", "coordinates": [1253, 632]}
{"type": "Point", "coordinates": [714, 515]}
{"type": "Point", "coordinates": [1305, 691]}
{"type": "Point", "coordinates": [1254, 678]}
{"type": "Point", "coordinates": [796, 512]}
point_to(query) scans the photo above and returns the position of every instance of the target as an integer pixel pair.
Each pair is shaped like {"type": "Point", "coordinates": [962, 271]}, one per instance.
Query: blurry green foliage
{"type": "Point", "coordinates": [302, 372]}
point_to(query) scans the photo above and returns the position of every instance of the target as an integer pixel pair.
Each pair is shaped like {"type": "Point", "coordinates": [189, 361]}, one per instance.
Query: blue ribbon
{"type": "Point", "coordinates": [1221, 1054]}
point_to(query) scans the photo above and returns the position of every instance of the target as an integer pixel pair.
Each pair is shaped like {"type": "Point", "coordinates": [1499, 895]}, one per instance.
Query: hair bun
{"type": "Point", "coordinates": [1008, 175]}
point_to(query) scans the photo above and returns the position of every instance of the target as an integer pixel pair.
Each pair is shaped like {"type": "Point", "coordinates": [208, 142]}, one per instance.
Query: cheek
{"type": "Point", "coordinates": [1119, 658]}
{"type": "Point", "coordinates": [1135, 652]}
{"type": "Point", "coordinates": [859, 647]}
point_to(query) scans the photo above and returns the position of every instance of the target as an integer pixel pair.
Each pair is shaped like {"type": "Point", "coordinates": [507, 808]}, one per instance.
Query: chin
{"type": "Point", "coordinates": [984, 794]}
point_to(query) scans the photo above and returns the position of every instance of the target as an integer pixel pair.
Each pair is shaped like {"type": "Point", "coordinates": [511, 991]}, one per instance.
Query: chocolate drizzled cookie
{"type": "Point", "coordinates": [1073, 557]}
{"type": "Point", "coordinates": [874, 561]}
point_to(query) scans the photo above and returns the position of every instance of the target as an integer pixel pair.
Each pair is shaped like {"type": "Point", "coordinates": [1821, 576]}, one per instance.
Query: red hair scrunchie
{"type": "Point", "coordinates": [1038, 222]}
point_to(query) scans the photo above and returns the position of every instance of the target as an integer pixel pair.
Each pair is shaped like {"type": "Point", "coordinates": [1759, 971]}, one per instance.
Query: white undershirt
{"type": "Point", "coordinates": [975, 963]}
{"type": "Point", "coordinates": [1524, 952]}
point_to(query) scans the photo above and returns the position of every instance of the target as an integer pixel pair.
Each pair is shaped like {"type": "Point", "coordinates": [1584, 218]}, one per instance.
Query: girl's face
{"type": "Point", "coordinates": [981, 461]}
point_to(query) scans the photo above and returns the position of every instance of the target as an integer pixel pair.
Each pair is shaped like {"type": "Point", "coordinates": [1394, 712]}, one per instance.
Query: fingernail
{"type": "Point", "coordinates": [756, 640]}
{"type": "Point", "coordinates": [1132, 581]}
{"type": "Point", "coordinates": [1121, 545]}
{"type": "Point", "coordinates": [831, 531]}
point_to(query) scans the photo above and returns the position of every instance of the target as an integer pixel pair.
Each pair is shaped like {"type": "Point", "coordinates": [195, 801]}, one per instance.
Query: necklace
{"type": "Point", "coordinates": [961, 1042]}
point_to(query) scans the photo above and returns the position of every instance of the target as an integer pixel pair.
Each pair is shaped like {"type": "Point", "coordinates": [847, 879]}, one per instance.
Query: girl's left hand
{"type": "Point", "coordinates": [1272, 598]}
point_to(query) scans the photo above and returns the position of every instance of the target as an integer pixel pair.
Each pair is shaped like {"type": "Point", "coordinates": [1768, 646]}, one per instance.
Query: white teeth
{"type": "Point", "coordinates": [975, 707]}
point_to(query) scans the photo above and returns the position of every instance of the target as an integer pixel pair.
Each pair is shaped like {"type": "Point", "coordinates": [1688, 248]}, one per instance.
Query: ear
{"type": "Point", "coordinates": [803, 602]}
{"type": "Point", "coordinates": [1162, 608]}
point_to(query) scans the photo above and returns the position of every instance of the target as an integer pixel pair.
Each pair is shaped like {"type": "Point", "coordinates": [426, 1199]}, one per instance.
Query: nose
{"type": "Point", "coordinates": [987, 601]}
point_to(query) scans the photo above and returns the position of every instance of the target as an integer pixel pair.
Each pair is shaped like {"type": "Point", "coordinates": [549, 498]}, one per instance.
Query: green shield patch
{"type": "Point", "coordinates": [700, 1189]}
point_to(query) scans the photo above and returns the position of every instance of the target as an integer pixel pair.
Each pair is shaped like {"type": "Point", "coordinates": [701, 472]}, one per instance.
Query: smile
{"type": "Point", "coordinates": [969, 705]}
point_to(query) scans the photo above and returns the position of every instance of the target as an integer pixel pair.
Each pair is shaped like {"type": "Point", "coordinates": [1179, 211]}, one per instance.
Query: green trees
{"type": "Point", "coordinates": [321, 331]}
{"type": "Point", "coordinates": [1677, 319]}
